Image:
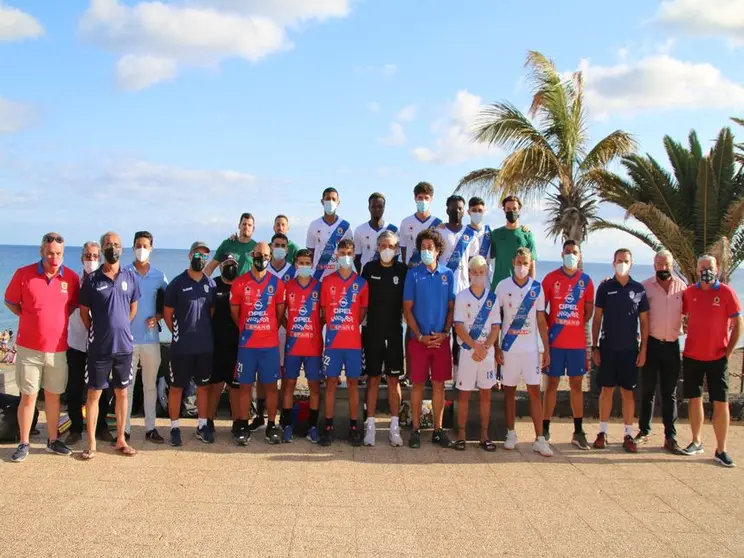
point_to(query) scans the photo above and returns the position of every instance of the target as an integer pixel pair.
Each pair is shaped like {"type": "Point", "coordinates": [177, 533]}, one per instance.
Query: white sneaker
{"type": "Point", "coordinates": [511, 440]}
{"type": "Point", "coordinates": [395, 438]}
{"type": "Point", "coordinates": [369, 432]}
{"type": "Point", "coordinates": [542, 447]}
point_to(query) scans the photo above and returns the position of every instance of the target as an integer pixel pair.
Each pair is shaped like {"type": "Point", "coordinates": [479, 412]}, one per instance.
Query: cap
{"type": "Point", "coordinates": [199, 244]}
{"type": "Point", "coordinates": [229, 258]}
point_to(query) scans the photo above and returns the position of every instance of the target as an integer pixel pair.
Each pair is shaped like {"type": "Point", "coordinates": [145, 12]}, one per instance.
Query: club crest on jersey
{"type": "Point", "coordinates": [291, 296]}
{"type": "Point", "coordinates": [270, 289]}
{"type": "Point", "coordinates": [581, 283]}
{"type": "Point", "coordinates": [444, 278]}
{"type": "Point", "coordinates": [206, 288]}
{"type": "Point", "coordinates": [333, 289]}
{"type": "Point", "coordinates": [247, 291]}
{"type": "Point", "coordinates": [557, 288]}
{"type": "Point", "coordinates": [533, 294]}
{"type": "Point", "coordinates": [395, 280]}
{"type": "Point", "coordinates": [124, 286]}
{"type": "Point", "coordinates": [315, 295]}
{"type": "Point", "coordinates": [465, 237]}
{"type": "Point", "coordinates": [716, 301]}
{"type": "Point", "coordinates": [489, 304]}
{"type": "Point", "coordinates": [286, 277]}
{"type": "Point", "coordinates": [63, 287]}
{"type": "Point", "coordinates": [340, 230]}
{"type": "Point", "coordinates": [354, 287]}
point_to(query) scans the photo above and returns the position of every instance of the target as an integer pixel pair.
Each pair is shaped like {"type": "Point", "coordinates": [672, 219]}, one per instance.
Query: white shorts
{"type": "Point", "coordinates": [282, 342]}
{"type": "Point", "coordinates": [472, 375]}
{"type": "Point", "coordinates": [526, 365]}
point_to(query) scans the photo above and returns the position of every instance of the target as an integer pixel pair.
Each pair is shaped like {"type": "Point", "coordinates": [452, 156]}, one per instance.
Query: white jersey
{"type": "Point", "coordinates": [483, 238]}
{"type": "Point", "coordinates": [465, 244]}
{"type": "Point", "coordinates": [318, 234]}
{"type": "Point", "coordinates": [510, 296]}
{"type": "Point", "coordinates": [286, 273]}
{"type": "Point", "coordinates": [365, 240]}
{"type": "Point", "coordinates": [410, 227]}
{"type": "Point", "coordinates": [468, 307]}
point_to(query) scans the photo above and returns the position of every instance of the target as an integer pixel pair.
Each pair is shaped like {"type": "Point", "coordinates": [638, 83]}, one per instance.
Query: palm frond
{"type": "Point", "coordinates": [733, 219]}
{"type": "Point", "coordinates": [617, 144]}
{"type": "Point", "coordinates": [706, 207]}
{"type": "Point", "coordinates": [722, 164]}
{"type": "Point", "coordinates": [528, 172]}
{"type": "Point", "coordinates": [483, 181]}
{"type": "Point", "coordinates": [504, 125]}
{"type": "Point", "coordinates": [647, 239]}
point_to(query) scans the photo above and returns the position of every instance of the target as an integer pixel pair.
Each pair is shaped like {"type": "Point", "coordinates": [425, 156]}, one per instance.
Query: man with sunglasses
{"type": "Point", "coordinates": [42, 295]}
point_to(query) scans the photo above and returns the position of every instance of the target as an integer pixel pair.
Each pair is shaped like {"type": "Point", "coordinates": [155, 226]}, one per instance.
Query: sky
{"type": "Point", "coordinates": [177, 116]}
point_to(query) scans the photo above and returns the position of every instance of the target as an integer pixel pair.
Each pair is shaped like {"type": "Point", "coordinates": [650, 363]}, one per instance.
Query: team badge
{"type": "Point", "coordinates": [315, 295]}
{"type": "Point", "coordinates": [395, 280]}
{"type": "Point", "coordinates": [286, 277]}
{"type": "Point", "coordinates": [489, 304]}
{"type": "Point", "coordinates": [716, 301]}
{"type": "Point", "coordinates": [444, 278]}
{"type": "Point", "coordinates": [581, 283]}
{"type": "Point", "coordinates": [270, 289]}
{"type": "Point", "coordinates": [340, 230]}
{"type": "Point", "coordinates": [465, 237]}
{"type": "Point", "coordinates": [206, 288]}
{"type": "Point", "coordinates": [532, 294]}
{"type": "Point", "coordinates": [124, 286]}
{"type": "Point", "coordinates": [333, 289]}
{"type": "Point", "coordinates": [355, 287]}
{"type": "Point", "coordinates": [63, 287]}
{"type": "Point", "coordinates": [247, 291]}
{"type": "Point", "coordinates": [291, 296]}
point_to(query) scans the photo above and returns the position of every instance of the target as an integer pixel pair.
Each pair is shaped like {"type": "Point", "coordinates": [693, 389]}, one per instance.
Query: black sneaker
{"type": "Point", "coordinates": [724, 459]}
{"type": "Point", "coordinates": [440, 438]}
{"type": "Point", "coordinates": [210, 424]}
{"type": "Point", "coordinates": [671, 445]}
{"type": "Point", "coordinates": [579, 440]}
{"type": "Point", "coordinates": [273, 435]}
{"type": "Point", "coordinates": [693, 449]}
{"type": "Point", "coordinates": [326, 436]}
{"type": "Point", "coordinates": [257, 423]}
{"type": "Point", "coordinates": [20, 454]}
{"type": "Point", "coordinates": [415, 440]}
{"type": "Point", "coordinates": [58, 447]}
{"type": "Point", "coordinates": [242, 436]}
{"type": "Point", "coordinates": [154, 436]}
{"type": "Point", "coordinates": [355, 438]}
{"type": "Point", "coordinates": [205, 434]}
{"type": "Point", "coordinates": [175, 437]}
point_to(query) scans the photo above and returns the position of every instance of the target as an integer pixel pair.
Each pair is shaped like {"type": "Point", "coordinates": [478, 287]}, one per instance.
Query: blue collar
{"type": "Point", "coordinates": [419, 220]}
{"type": "Point", "coordinates": [716, 285]}
{"type": "Point", "coordinates": [40, 269]}
{"type": "Point", "coordinates": [517, 284]}
{"type": "Point", "coordinates": [475, 295]}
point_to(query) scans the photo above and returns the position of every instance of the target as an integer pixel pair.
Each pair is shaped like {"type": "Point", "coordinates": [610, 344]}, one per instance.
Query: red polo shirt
{"type": "Point", "coordinates": [709, 314]}
{"type": "Point", "coordinates": [45, 304]}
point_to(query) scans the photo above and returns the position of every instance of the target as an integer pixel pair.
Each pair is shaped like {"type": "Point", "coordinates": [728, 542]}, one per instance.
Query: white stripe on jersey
{"type": "Point", "coordinates": [318, 234]}
{"type": "Point", "coordinates": [510, 296]}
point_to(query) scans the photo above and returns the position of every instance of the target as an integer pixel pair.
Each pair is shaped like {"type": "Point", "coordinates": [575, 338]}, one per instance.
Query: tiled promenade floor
{"type": "Point", "coordinates": [303, 500]}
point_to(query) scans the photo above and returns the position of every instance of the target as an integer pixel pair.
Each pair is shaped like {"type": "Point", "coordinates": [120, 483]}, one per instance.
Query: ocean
{"type": "Point", "coordinates": [173, 262]}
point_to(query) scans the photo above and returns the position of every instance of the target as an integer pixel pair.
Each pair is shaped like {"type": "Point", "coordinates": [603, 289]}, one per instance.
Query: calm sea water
{"type": "Point", "coordinates": [173, 262]}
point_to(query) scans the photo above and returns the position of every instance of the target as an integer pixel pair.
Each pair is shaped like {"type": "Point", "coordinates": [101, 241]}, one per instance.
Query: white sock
{"type": "Point", "coordinates": [511, 432]}
{"type": "Point", "coordinates": [603, 427]}
{"type": "Point", "coordinates": [175, 424]}
{"type": "Point", "coordinates": [201, 422]}
{"type": "Point", "coordinates": [394, 423]}
{"type": "Point", "coordinates": [628, 429]}
{"type": "Point", "coordinates": [541, 438]}
{"type": "Point", "coordinates": [370, 420]}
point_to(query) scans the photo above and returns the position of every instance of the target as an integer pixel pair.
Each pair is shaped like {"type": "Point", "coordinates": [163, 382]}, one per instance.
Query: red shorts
{"type": "Point", "coordinates": [421, 360]}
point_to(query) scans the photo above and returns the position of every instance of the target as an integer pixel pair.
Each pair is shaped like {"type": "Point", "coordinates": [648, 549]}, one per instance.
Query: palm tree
{"type": "Point", "coordinates": [739, 155]}
{"type": "Point", "coordinates": [548, 158]}
{"type": "Point", "coordinates": [696, 209]}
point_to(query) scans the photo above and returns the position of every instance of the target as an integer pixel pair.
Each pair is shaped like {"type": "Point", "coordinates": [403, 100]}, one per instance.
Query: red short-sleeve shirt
{"type": "Point", "coordinates": [709, 314]}
{"type": "Point", "coordinates": [46, 305]}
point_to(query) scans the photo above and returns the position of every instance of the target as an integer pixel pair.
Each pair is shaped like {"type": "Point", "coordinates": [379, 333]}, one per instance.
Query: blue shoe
{"type": "Point", "coordinates": [58, 447]}
{"type": "Point", "coordinates": [175, 436]}
{"type": "Point", "coordinates": [312, 435]}
{"type": "Point", "coordinates": [287, 435]}
{"type": "Point", "coordinates": [205, 435]}
{"type": "Point", "coordinates": [21, 453]}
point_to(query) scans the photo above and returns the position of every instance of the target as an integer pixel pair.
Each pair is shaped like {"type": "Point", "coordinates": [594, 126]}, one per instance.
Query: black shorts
{"type": "Point", "coordinates": [383, 352]}
{"type": "Point", "coordinates": [223, 366]}
{"type": "Point", "coordinates": [184, 368]}
{"type": "Point", "coordinates": [715, 371]}
{"type": "Point", "coordinates": [99, 368]}
{"type": "Point", "coordinates": [618, 368]}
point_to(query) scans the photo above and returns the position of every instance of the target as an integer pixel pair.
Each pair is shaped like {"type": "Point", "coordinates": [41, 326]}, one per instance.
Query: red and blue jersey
{"type": "Point", "coordinates": [342, 301]}
{"type": "Point", "coordinates": [565, 295]}
{"type": "Point", "coordinates": [258, 301]}
{"type": "Point", "coordinates": [304, 334]}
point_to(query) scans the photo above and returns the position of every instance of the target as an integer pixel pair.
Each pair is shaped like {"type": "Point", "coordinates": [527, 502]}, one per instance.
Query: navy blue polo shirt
{"type": "Point", "coordinates": [110, 303]}
{"type": "Point", "coordinates": [192, 304]}
{"type": "Point", "coordinates": [431, 292]}
{"type": "Point", "coordinates": [622, 307]}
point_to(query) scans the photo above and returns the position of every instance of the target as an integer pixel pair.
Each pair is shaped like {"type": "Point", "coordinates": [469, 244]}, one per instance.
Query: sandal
{"type": "Point", "coordinates": [488, 445]}
{"type": "Point", "coordinates": [127, 451]}
{"type": "Point", "coordinates": [87, 455]}
{"type": "Point", "coordinates": [459, 445]}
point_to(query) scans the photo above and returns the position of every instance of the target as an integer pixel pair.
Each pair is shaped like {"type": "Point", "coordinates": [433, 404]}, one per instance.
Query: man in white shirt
{"type": "Point", "coordinates": [410, 227]}
{"type": "Point", "coordinates": [324, 234]}
{"type": "Point", "coordinates": [477, 212]}
{"type": "Point", "coordinates": [460, 243]}
{"type": "Point", "coordinates": [365, 235]}
{"type": "Point", "coordinates": [523, 303]}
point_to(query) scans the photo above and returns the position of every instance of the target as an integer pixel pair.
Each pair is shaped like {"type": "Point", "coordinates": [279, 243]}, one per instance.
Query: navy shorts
{"type": "Point", "coordinates": [311, 364]}
{"type": "Point", "coordinates": [118, 367]}
{"type": "Point", "coordinates": [223, 366]}
{"type": "Point", "coordinates": [618, 368]}
{"type": "Point", "coordinates": [382, 352]}
{"type": "Point", "coordinates": [257, 362]}
{"type": "Point", "coordinates": [348, 359]}
{"type": "Point", "coordinates": [571, 362]}
{"type": "Point", "coordinates": [184, 368]}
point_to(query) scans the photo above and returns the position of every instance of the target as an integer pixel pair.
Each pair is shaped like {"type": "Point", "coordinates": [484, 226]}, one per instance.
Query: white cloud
{"type": "Point", "coordinates": [14, 116]}
{"type": "Point", "coordinates": [386, 71]}
{"type": "Point", "coordinates": [373, 107]}
{"type": "Point", "coordinates": [407, 114]}
{"type": "Point", "coordinates": [657, 82]}
{"type": "Point", "coordinates": [16, 25]}
{"type": "Point", "coordinates": [454, 142]}
{"type": "Point", "coordinates": [705, 17]}
{"type": "Point", "coordinates": [397, 135]}
{"type": "Point", "coordinates": [287, 12]}
{"type": "Point", "coordinates": [134, 73]}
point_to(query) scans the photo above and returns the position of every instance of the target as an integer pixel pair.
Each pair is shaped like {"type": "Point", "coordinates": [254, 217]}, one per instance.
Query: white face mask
{"type": "Point", "coordinates": [329, 207]}
{"type": "Point", "coordinates": [141, 254]}
{"type": "Point", "coordinates": [476, 218]}
{"type": "Point", "coordinates": [622, 269]}
{"type": "Point", "coordinates": [521, 271]}
{"type": "Point", "coordinates": [478, 281]}
{"type": "Point", "coordinates": [90, 266]}
{"type": "Point", "coordinates": [387, 255]}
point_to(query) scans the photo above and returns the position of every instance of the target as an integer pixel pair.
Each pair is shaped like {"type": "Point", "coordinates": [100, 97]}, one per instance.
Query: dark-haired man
{"type": "Point", "coordinates": [477, 212]}
{"type": "Point", "coordinates": [325, 233]}
{"type": "Point", "coordinates": [460, 243]}
{"type": "Point", "coordinates": [410, 227]}
{"type": "Point", "coordinates": [507, 239]}
{"type": "Point", "coordinates": [281, 226]}
{"type": "Point", "coordinates": [365, 235]}
{"type": "Point", "coordinates": [240, 246]}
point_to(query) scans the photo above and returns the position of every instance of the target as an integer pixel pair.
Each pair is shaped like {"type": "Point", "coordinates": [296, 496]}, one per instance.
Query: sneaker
{"type": "Point", "coordinates": [154, 436]}
{"type": "Point", "coordinates": [355, 437]}
{"type": "Point", "coordinates": [511, 440]}
{"type": "Point", "coordinates": [202, 434]}
{"type": "Point", "coordinates": [210, 424]}
{"type": "Point", "coordinates": [671, 445]}
{"type": "Point", "coordinates": [58, 447]}
{"type": "Point", "coordinates": [312, 435]}
{"type": "Point", "coordinates": [175, 437]}
{"type": "Point", "coordinates": [257, 423]}
{"type": "Point", "coordinates": [642, 438]}
{"type": "Point", "coordinates": [242, 436]}
{"type": "Point", "coordinates": [395, 438]}
{"type": "Point", "coordinates": [693, 449]}
{"type": "Point", "coordinates": [326, 437]}
{"type": "Point", "coordinates": [288, 435]}
{"type": "Point", "coordinates": [21, 453]}
{"type": "Point", "coordinates": [601, 441]}
{"type": "Point", "coordinates": [415, 440]}
{"type": "Point", "coordinates": [273, 435]}
{"type": "Point", "coordinates": [73, 438]}
{"type": "Point", "coordinates": [629, 444]}
{"type": "Point", "coordinates": [579, 440]}
{"type": "Point", "coordinates": [542, 447]}
{"type": "Point", "coordinates": [369, 433]}
{"type": "Point", "coordinates": [441, 439]}
{"type": "Point", "coordinates": [724, 459]}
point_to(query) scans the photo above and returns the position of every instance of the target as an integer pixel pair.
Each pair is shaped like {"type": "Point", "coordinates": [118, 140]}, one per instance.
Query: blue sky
{"type": "Point", "coordinates": [178, 116]}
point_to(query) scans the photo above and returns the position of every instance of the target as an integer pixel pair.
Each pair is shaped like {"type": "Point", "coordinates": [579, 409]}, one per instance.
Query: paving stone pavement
{"type": "Point", "coordinates": [304, 500]}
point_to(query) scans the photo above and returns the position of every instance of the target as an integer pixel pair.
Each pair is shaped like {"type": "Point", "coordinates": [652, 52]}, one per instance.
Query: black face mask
{"type": "Point", "coordinates": [230, 272]}
{"type": "Point", "coordinates": [512, 216]}
{"type": "Point", "coordinates": [663, 275]}
{"type": "Point", "coordinates": [707, 276]}
{"type": "Point", "coordinates": [111, 255]}
{"type": "Point", "coordinates": [198, 264]}
{"type": "Point", "coordinates": [260, 264]}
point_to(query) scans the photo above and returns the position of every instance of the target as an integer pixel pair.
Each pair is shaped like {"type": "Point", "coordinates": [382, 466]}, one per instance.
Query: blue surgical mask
{"type": "Point", "coordinates": [345, 261]}
{"type": "Point", "coordinates": [422, 206]}
{"type": "Point", "coordinates": [329, 206]}
{"type": "Point", "coordinates": [570, 261]}
{"type": "Point", "coordinates": [280, 253]}
{"type": "Point", "coordinates": [427, 256]}
{"type": "Point", "coordinates": [476, 218]}
{"type": "Point", "coordinates": [304, 270]}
